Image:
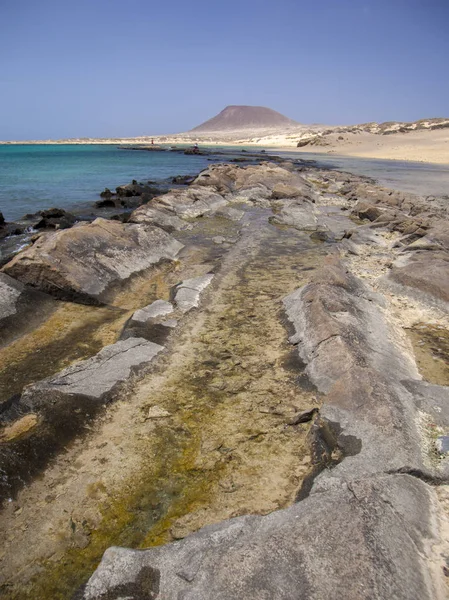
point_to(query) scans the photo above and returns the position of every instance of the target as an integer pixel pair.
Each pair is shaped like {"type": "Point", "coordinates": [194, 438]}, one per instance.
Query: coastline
{"type": "Point", "coordinates": [263, 238]}
{"type": "Point", "coordinates": [428, 146]}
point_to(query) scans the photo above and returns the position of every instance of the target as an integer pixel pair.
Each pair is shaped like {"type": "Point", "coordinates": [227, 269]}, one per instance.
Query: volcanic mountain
{"type": "Point", "coordinates": [238, 118]}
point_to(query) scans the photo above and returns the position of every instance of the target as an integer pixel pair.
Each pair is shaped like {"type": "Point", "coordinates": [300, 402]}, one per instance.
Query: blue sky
{"type": "Point", "coordinates": [136, 67]}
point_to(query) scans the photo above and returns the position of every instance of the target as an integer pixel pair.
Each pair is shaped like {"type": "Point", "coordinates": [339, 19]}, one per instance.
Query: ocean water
{"type": "Point", "coordinates": [38, 177]}
{"type": "Point", "coordinates": [33, 178]}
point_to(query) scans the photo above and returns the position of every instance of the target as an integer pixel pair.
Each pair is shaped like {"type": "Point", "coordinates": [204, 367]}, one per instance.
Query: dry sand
{"type": "Point", "coordinates": [420, 146]}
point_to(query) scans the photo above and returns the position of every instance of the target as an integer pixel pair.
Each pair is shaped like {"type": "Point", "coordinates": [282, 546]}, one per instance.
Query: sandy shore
{"type": "Point", "coordinates": [430, 146]}
{"type": "Point", "coordinates": [419, 146]}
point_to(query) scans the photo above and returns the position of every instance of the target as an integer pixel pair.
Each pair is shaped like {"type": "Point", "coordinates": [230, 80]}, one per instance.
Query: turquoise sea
{"type": "Point", "coordinates": [68, 176]}
{"type": "Point", "coordinates": [42, 176]}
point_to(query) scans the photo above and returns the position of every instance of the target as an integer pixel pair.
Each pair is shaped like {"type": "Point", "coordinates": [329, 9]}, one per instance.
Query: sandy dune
{"type": "Point", "coordinates": [421, 146]}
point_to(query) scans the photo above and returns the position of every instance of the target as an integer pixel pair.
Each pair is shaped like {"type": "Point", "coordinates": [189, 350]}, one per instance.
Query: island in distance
{"type": "Point", "coordinates": [425, 140]}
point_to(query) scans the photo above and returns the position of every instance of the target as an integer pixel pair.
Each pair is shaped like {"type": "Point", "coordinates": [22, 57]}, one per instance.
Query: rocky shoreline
{"type": "Point", "coordinates": [349, 268]}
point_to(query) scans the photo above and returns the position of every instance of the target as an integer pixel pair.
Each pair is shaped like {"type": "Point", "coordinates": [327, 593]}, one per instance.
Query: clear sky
{"type": "Point", "coordinates": [102, 68]}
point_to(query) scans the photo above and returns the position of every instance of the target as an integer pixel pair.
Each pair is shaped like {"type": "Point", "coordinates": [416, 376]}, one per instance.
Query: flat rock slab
{"type": "Point", "coordinates": [189, 291]}
{"type": "Point", "coordinates": [150, 323]}
{"type": "Point", "coordinates": [158, 308]}
{"type": "Point", "coordinates": [344, 339]}
{"type": "Point", "coordinates": [366, 541]}
{"type": "Point", "coordinates": [97, 376]}
{"type": "Point", "coordinates": [82, 263]}
{"type": "Point", "coordinates": [62, 404]}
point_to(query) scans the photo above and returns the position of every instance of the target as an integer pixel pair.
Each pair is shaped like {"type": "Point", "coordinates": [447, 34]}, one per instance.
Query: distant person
{"type": "Point", "coordinates": [196, 150]}
{"type": "Point", "coordinates": [152, 142]}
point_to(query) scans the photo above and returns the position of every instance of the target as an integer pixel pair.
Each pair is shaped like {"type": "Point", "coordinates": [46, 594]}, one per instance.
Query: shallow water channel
{"type": "Point", "coordinates": [229, 383]}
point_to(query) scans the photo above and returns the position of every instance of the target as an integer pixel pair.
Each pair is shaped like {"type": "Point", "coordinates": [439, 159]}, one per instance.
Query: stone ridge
{"type": "Point", "coordinates": [366, 526]}
{"type": "Point", "coordinates": [374, 506]}
{"type": "Point", "coordinates": [371, 493]}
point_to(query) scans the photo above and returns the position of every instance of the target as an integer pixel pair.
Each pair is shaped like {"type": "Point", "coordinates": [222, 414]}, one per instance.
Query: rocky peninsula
{"type": "Point", "coordinates": [239, 392]}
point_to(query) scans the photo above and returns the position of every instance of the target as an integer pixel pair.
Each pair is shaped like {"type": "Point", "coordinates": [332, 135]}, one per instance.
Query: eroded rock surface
{"type": "Point", "coordinates": [368, 523]}
{"type": "Point", "coordinates": [83, 263]}
{"type": "Point", "coordinates": [356, 541]}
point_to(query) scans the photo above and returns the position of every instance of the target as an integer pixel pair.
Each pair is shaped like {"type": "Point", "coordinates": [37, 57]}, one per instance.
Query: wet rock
{"type": "Point", "coordinates": [106, 203]}
{"type": "Point", "coordinates": [106, 193]}
{"type": "Point", "coordinates": [301, 550]}
{"type": "Point", "coordinates": [121, 217]}
{"type": "Point", "coordinates": [84, 262]}
{"type": "Point", "coordinates": [55, 218]}
{"type": "Point", "coordinates": [183, 179]}
{"type": "Point", "coordinates": [131, 189]}
{"type": "Point", "coordinates": [189, 291]}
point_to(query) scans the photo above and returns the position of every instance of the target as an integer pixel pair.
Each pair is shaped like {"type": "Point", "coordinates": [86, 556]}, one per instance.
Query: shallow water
{"type": "Point", "coordinates": [426, 179]}
{"type": "Point", "coordinates": [431, 347]}
{"type": "Point", "coordinates": [38, 177]}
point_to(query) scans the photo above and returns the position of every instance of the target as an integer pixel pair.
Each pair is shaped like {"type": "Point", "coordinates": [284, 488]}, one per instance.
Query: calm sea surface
{"type": "Point", "coordinates": [37, 177]}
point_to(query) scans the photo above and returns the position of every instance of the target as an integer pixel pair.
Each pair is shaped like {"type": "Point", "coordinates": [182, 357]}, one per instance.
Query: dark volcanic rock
{"type": "Point", "coordinates": [183, 179]}
{"type": "Point", "coordinates": [106, 193]}
{"type": "Point", "coordinates": [55, 218]}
